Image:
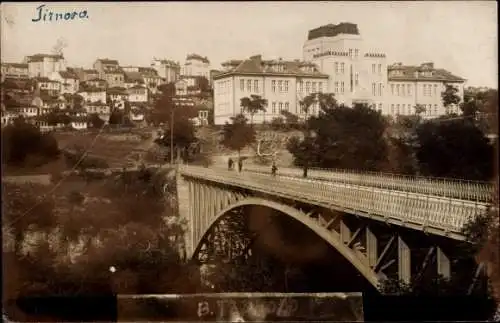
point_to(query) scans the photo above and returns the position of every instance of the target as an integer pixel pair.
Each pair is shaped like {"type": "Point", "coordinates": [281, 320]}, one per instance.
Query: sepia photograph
{"type": "Point", "coordinates": [242, 161]}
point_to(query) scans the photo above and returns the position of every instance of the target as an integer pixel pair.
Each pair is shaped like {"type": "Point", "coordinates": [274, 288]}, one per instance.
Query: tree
{"type": "Point", "coordinates": [419, 109]}
{"type": "Point", "coordinates": [307, 102]}
{"type": "Point", "coordinates": [116, 117]}
{"type": "Point", "coordinates": [351, 138]}
{"type": "Point", "coordinates": [454, 148]}
{"type": "Point", "coordinates": [237, 134]}
{"type": "Point", "coordinates": [278, 124]}
{"type": "Point", "coordinates": [184, 134]}
{"type": "Point", "coordinates": [292, 120]}
{"type": "Point", "coordinates": [95, 121]}
{"type": "Point", "coordinates": [253, 105]}
{"type": "Point", "coordinates": [450, 97]}
{"type": "Point", "coordinates": [23, 143]}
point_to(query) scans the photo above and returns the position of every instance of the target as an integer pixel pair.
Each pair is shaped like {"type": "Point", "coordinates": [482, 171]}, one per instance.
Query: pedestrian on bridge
{"type": "Point", "coordinates": [230, 164]}
{"type": "Point", "coordinates": [305, 168]}
{"type": "Point", "coordinates": [240, 164]}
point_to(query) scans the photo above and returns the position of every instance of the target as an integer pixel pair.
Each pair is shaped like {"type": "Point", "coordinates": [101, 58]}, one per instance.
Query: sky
{"type": "Point", "coordinates": [460, 36]}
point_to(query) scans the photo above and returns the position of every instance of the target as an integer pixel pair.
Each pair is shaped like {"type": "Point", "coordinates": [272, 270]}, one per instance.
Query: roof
{"type": "Point", "coordinates": [198, 57]}
{"type": "Point", "coordinates": [16, 65]}
{"type": "Point", "coordinates": [41, 57]}
{"type": "Point", "coordinates": [108, 61]}
{"type": "Point", "coordinates": [117, 90]}
{"type": "Point", "coordinates": [91, 71]}
{"type": "Point", "coordinates": [67, 75]}
{"type": "Point", "coordinates": [134, 77]}
{"type": "Point", "coordinates": [137, 87]}
{"type": "Point", "coordinates": [415, 73]}
{"type": "Point", "coordinates": [332, 30]}
{"type": "Point", "coordinates": [45, 79]}
{"type": "Point", "coordinates": [166, 62]}
{"type": "Point", "coordinates": [256, 66]}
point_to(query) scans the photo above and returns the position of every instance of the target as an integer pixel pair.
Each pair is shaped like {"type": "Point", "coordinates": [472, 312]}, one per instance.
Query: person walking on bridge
{"type": "Point", "coordinates": [230, 164]}
{"type": "Point", "coordinates": [240, 164]}
{"type": "Point", "coordinates": [274, 169]}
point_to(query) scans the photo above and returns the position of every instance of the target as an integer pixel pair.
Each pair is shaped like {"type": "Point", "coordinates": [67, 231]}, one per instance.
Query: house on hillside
{"type": "Point", "coordinates": [95, 83]}
{"type": "Point", "coordinates": [69, 81]}
{"type": "Point", "coordinates": [133, 79]}
{"type": "Point", "coordinates": [93, 95]}
{"type": "Point", "coordinates": [14, 70]}
{"type": "Point", "coordinates": [117, 96]}
{"type": "Point", "coordinates": [138, 94]}
{"type": "Point", "coordinates": [47, 85]}
{"type": "Point", "coordinates": [79, 123]}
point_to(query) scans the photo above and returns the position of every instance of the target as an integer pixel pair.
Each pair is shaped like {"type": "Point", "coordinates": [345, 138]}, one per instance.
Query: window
{"type": "Point", "coordinates": [403, 89]}
{"type": "Point", "coordinates": [249, 85]}
{"type": "Point", "coordinates": [380, 68]}
{"type": "Point", "coordinates": [342, 68]}
{"type": "Point", "coordinates": [392, 108]}
{"type": "Point", "coordinates": [342, 87]}
{"type": "Point", "coordinates": [408, 89]}
{"type": "Point", "coordinates": [409, 109]}
{"type": "Point", "coordinates": [397, 109]}
{"type": "Point", "coordinates": [435, 89]}
{"type": "Point", "coordinates": [380, 107]}
{"type": "Point", "coordinates": [280, 86]}
{"type": "Point", "coordinates": [356, 52]}
{"type": "Point", "coordinates": [256, 86]}
{"type": "Point", "coordinates": [301, 86]}
{"type": "Point", "coordinates": [274, 107]}
{"type": "Point", "coordinates": [373, 68]}
{"type": "Point", "coordinates": [430, 107]}
{"type": "Point", "coordinates": [314, 87]}
{"type": "Point", "coordinates": [380, 89]}
{"type": "Point", "coordinates": [374, 89]}
{"type": "Point", "coordinates": [350, 52]}
{"type": "Point", "coordinates": [336, 87]}
{"type": "Point", "coordinates": [435, 108]}
{"type": "Point", "coordinates": [356, 79]}
{"type": "Point", "coordinates": [397, 89]}
{"type": "Point", "coordinates": [287, 106]}
{"type": "Point", "coordinates": [273, 86]}
{"type": "Point", "coordinates": [280, 107]}
{"type": "Point", "coordinates": [392, 89]}
{"type": "Point", "coordinates": [286, 86]}
{"type": "Point", "coordinates": [308, 87]}
{"type": "Point", "coordinates": [336, 68]}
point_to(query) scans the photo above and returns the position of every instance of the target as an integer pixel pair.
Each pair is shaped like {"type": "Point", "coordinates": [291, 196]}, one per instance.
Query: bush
{"type": "Point", "coordinates": [24, 145]}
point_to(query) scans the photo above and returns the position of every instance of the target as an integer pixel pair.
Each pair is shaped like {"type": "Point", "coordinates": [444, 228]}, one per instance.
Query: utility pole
{"type": "Point", "coordinates": [172, 132]}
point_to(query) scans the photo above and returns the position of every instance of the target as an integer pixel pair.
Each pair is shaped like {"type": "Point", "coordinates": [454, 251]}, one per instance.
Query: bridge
{"type": "Point", "coordinates": [384, 225]}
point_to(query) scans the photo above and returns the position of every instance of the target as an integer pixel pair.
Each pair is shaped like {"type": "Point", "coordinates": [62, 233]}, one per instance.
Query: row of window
{"type": "Point", "coordinates": [342, 68]}
{"type": "Point", "coordinates": [374, 68]}
{"type": "Point", "coordinates": [408, 109]}
{"type": "Point", "coordinates": [376, 87]}
{"type": "Point", "coordinates": [312, 87]}
{"type": "Point", "coordinates": [406, 89]}
{"type": "Point", "coordinates": [341, 89]}
{"type": "Point", "coordinates": [282, 86]}
{"type": "Point", "coordinates": [282, 106]}
{"type": "Point", "coordinates": [351, 51]}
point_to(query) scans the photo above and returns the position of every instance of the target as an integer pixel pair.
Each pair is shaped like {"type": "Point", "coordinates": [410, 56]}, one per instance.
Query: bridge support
{"type": "Point", "coordinates": [404, 261]}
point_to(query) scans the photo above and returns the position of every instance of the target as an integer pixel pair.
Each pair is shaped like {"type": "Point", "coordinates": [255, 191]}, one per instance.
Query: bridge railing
{"type": "Point", "coordinates": [459, 189]}
{"type": "Point", "coordinates": [442, 214]}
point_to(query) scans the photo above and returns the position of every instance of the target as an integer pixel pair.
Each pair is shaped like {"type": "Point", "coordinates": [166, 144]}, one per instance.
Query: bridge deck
{"type": "Point", "coordinates": [437, 214]}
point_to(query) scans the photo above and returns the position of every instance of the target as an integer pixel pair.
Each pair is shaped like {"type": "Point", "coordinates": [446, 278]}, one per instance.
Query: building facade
{"type": "Point", "coordinates": [357, 75]}
{"type": "Point", "coordinates": [196, 65]}
{"type": "Point", "coordinates": [411, 86]}
{"type": "Point", "coordinates": [43, 65]}
{"type": "Point", "coordinates": [168, 70]}
{"type": "Point", "coordinates": [283, 83]}
{"type": "Point", "coordinates": [14, 70]}
{"type": "Point", "coordinates": [361, 75]}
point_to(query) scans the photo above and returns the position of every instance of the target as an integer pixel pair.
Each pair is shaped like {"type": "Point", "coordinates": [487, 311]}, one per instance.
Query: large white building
{"type": "Point", "coordinates": [43, 65]}
{"type": "Point", "coordinates": [358, 74]}
{"type": "Point", "coordinates": [282, 83]}
{"type": "Point", "coordinates": [196, 65]}
{"type": "Point", "coordinates": [168, 70]}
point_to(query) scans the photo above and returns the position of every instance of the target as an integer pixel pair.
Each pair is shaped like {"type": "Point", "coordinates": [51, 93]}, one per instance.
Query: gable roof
{"type": "Point", "coordinates": [67, 75]}
{"type": "Point", "coordinates": [414, 73]}
{"type": "Point", "coordinates": [256, 66]}
{"type": "Point", "coordinates": [108, 61]}
{"type": "Point", "coordinates": [198, 57]}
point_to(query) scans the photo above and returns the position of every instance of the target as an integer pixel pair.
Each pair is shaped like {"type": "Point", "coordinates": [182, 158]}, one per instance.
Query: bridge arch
{"type": "Point", "coordinates": [322, 232]}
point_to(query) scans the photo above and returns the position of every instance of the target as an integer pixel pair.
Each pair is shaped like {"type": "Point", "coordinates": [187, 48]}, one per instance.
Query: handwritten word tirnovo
{"type": "Point", "coordinates": [44, 14]}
